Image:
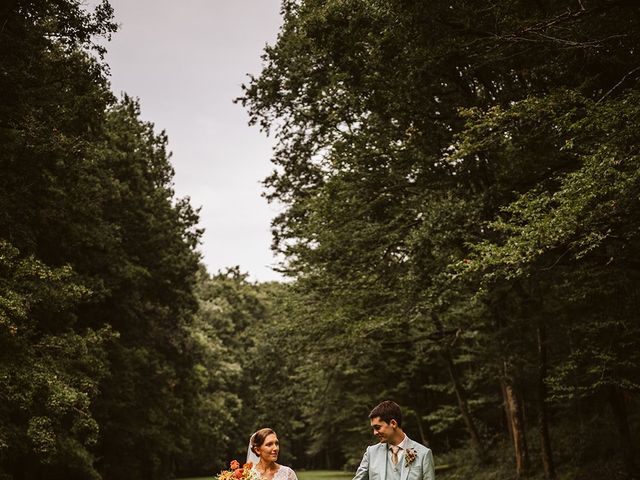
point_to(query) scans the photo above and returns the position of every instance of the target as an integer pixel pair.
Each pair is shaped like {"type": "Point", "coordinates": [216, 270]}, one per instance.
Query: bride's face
{"type": "Point", "coordinates": [269, 450]}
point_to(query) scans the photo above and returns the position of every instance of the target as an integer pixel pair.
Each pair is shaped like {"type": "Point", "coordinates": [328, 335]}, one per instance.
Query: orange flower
{"type": "Point", "coordinates": [236, 472]}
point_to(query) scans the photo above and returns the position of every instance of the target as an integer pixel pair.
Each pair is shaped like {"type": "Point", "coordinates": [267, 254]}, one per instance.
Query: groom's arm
{"type": "Point", "coordinates": [428, 468]}
{"type": "Point", "coordinates": [363, 470]}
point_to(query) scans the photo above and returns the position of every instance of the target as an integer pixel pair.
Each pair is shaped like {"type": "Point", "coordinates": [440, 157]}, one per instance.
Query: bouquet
{"type": "Point", "coordinates": [237, 472]}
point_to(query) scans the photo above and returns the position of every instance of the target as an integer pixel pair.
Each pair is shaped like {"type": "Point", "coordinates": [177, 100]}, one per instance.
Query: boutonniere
{"type": "Point", "coordinates": [409, 456]}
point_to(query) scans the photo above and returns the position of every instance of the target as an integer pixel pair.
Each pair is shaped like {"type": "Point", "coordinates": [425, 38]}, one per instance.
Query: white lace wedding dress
{"type": "Point", "coordinates": [283, 473]}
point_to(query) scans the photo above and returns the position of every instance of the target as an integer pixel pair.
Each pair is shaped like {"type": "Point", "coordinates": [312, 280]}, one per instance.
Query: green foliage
{"type": "Point", "coordinates": [149, 293]}
{"type": "Point", "coordinates": [571, 237]}
{"type": "Point", "coordinates": [459, 178]}
{"type": "Point", "coordinates": [98, 262]}
{"type": "Point", "coordinates": [242, 381]}
{"type": "Point", "coordinates": [49, 373]}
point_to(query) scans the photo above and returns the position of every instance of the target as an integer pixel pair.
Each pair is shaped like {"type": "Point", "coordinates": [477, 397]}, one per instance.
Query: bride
{"type": "Point", "coordinates": [263, 453]}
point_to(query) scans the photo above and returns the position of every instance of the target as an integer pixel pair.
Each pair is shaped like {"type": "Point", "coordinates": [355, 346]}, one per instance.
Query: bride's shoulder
{"type": "Point", "coordinates": [287, 472]}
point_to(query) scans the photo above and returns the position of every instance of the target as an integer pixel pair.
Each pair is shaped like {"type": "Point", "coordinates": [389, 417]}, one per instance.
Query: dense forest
{"type": "Point", "coordinates": [461, 234]}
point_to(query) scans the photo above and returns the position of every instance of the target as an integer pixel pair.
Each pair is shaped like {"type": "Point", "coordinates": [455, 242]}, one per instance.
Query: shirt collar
{"type": "Point", "coordinates": [403, 443]}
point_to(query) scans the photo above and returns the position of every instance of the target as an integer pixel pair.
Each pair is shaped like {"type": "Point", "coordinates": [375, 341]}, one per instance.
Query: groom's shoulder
{"type": "Point", "coordinates": [418, 447]}
{"type": "Point", "coordinates": [377, 447]}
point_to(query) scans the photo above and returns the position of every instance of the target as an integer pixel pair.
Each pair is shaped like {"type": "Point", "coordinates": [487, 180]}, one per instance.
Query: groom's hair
{"type": "Point", "coordinates": [387, 411]}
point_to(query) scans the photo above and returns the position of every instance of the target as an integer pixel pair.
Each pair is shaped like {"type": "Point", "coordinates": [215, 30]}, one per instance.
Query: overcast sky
{"type": "Point", "coordinates": [185, 61]}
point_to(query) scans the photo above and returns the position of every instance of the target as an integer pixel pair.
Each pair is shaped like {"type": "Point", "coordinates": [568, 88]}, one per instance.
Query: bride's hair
{"type": "Point", "coordinates": [258, 438]}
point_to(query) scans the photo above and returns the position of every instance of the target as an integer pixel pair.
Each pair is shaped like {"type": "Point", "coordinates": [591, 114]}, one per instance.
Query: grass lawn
{"type": "Point", "coordinates": [306, 475]}
{"type": "Point", "coordinates": [324, 475]}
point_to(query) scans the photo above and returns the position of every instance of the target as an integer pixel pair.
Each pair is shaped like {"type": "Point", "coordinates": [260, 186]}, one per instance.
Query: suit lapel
{"type": "Point", "coordinates": [404, 470]}
{"type": "Point", "coordinates": [378, 460]}
{"type": "Point", "coordinates": [383, 450]}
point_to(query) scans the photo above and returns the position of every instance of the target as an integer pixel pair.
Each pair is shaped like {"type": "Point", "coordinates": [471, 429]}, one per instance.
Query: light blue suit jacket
{"type": "Point", "coordinates": [374, 463]}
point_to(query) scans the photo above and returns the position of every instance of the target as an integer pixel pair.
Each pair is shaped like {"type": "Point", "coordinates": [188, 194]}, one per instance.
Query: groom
{"type": "Point", "coordinates": [396, 457]}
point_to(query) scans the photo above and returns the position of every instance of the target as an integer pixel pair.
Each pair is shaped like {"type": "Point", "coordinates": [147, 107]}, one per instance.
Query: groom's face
{"type": "Point", "coordinates": [383, 430]}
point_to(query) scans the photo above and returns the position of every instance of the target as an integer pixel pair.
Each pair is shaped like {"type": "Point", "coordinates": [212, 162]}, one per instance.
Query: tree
{"type": "Point", "coordinates": [385, 205]}
{"type": "Point", "coordinates": [87, 201]}
{"type": "Point", "coordinates": [50, 372]}
{"type": "Point", "coordinates": [569, 238]}
{"type": "Point", "coordinates": [148, 298]}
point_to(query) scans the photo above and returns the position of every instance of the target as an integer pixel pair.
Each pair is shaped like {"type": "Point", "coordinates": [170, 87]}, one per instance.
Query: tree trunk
{"type": "Point", "coordinates": [424, 438]}
{"type": "Point", "coordinates": [619, 409]}
{"type": "Point", "coordinates": [513, 407]}
{"type": "Point", "coordinates": [543, 420]}
{"type": "Point", "coordinates": [507, 412]}
{"type": "Point", "coordinates": [461, 395]}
